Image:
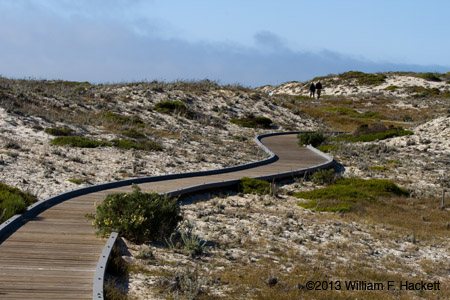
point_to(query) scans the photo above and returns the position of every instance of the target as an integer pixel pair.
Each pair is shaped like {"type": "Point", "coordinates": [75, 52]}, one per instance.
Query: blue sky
{"type": "Point", "coordinates": [250, 42]}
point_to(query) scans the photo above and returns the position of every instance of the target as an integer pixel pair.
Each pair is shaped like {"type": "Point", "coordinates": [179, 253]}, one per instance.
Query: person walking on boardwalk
{"type": "Point", "coordinates": [318, 88]}
{"type": "Point", "coordinates": [312, 90]}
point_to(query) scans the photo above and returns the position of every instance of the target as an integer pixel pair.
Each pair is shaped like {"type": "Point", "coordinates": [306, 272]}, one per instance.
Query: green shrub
{"type": "Point", "coordinates": [341, 110]}
{"type": "Point", "coordinates": [345, 194]}
{"type": "Point", "coordinates": [379, 168]}
{"type": "Point", "coordinates": [77, 141]}
{"type": "Point", "coordinates": [301, 97]}
{"type": "Point", "coordinates": [344, 111]}
{"type": "Point", "coordinates": [137, 216]}
{"type": "Point", "coordinates": [363, 78]}
{"type": "Point", "coordinates": [368, 115]}
{"type": "Point", "coordinates": [12, 205]}
{"type": "Point", "coordinates": [145, 252]}
{"type": "Point", "coordinates": [59, 131]}
{"type": "Point", "coordinates": [429, 76]}
{"type": "Point", "coordinates": [370, 129]}
{"type": "Point", "coordinates": [68, 84]}
{"type": "Point", "coordinates": [328, 148]}
{"type": "Point", "coordinates": [407, 118]}
{"type": "Point", "coordinates": [173, 107]}
{"type": "Point", "coordinates": [369, 133]}
{"type": "Point", "coordinates": [374, 136]}
{"type": "Point", "coordinates": [13, 201]}
{"type": "Point", "coordinates": [184, 239]}
{"type": "Point", "coordinates": [127, 144]}
{"type": "Point", "coordinates": [422, 92]}
{"type": "Point", "coordinates": [133, 133]}
{"type": "Point", "coordinates": [326, 177]}
{"type": "Point", "coordinates": [122, 119]}
{"type": "Point", "coordinates": [311, 138]}
{"type": "Point", "coordinates": [391, 88]}
{"type": "Point", "coordinates": [76, 180]}
{"type": "Point", "coordinates": [253, 122]}
{"type": "Point", "coordinates": [168, 106]}
{"type": "Point", "coordinates": [254, 186]}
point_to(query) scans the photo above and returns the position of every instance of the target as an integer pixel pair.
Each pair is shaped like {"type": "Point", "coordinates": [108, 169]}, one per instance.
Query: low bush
{"type": "Point", "coordinates": [77, 180]}
{"type": "Point", "coordinates": [301, 97]}
{"type": "Point", "coordinates": [407, 118]}
{"type": "Point", "coordinates": [137, 216]}
{"type": "Point", "coordinates": [173, 107]}
{"type": "Point", "coordinates": [391, 88]}
{"type": "Point", "coordinates": [370, 129]}
{"type": "Point", "coordinates": [340, 110]}
{"type": "Point", "coordinates": [368, 115]}
{"type": "Point", "coordinates": [423, 92]}
{"type": "Point", "coordinates": [184, 239]}
{"type": "Point", "coordinates": [344, 111]}
{"type": "Point", "coordinates": [374, 132]}
{"type": "Point", "coordinates": [59, 131]}
{"type": "Point", "coordinates": [363, 78]}
{"type": "Point", "coordinates": [253, 122]}
{"type": "Point", "coordinates": [77, 141]}
{"type": "Point", "coordinates": [345, 194]}
{"type": "Point", "coordinates": [145, 252]}
{"type": "Point", "coordinates": [127, 144]}
{"type": "Point", "coordinates": [122, 119]}
{"type": "Point", "coordinates": [326, 177]}
{"type": "Point", "coordinates": [310, 138]}
{"type": "Point", "coordinates": [13, 201]}
{"type": "Point", "coordinates": [328, 148]}
{"type": "Point", "coordinates": [374, 136]}
{"type": "Point", "coordinates": [168, 106]}
{"type": "Point", "coordinates": [133, 133]}
{"type": "Point", "coordinates": [429, 76]}
{"type": "Point", "coordinates": [379, 168]}
{"type": "Point", "coordinates": [254, 186]}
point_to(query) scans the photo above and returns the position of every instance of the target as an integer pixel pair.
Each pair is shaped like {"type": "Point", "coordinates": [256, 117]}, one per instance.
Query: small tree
{"type": "Point", "coordinates": [137, 216]}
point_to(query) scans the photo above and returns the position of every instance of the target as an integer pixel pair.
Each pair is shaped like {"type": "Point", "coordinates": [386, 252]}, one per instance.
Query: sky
{"type": "Point", "coordinates": [247, 42]}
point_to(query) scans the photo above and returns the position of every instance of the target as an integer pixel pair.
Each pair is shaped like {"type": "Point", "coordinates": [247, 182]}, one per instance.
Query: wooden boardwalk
{"type": "Point", "coordinates": [54, 255]}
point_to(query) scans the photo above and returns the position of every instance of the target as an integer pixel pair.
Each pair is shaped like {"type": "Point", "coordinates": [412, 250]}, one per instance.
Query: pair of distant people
{"type": "Point", "coordinates": [313, 88]}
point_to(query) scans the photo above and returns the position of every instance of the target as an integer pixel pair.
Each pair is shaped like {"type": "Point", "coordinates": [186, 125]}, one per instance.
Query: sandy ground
{"type": "Point", "coordinates": [333, 88]}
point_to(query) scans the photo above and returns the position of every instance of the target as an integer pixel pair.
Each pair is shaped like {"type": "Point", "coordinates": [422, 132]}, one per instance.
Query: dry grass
{"type": "Point", "coordinates": [250, 281]}
{"type": "Point", "coordinates": [419, 217]}
{"type": "Point", "coordinates": [385, 107]}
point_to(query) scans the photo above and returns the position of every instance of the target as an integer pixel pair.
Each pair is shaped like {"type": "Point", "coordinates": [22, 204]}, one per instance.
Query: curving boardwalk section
{"type": "Point", "coordinates": [54, 255]}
